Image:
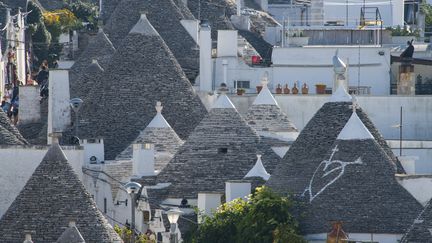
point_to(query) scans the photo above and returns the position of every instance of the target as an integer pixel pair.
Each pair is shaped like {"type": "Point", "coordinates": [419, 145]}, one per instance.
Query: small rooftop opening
{"type": "Point", "coordinates": [222, 150]}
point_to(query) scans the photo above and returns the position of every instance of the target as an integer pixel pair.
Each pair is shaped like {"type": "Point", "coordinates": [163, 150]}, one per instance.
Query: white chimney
{"type": "Point", "coordinates": [239, 5]}
{"type": "Point", "coordinates": [237, 189]}
{"type": "Point", "coordinates": [143, 160]}
{"type": "Point", "coordinates": [59, 110]}
{"type": "Point", "coordinates": [75, 41]}
{"type": "Point", "coordinates": [227, 43]}
{"type": "Point", "coordinates": [208, 203]}
{"type": "Point", "coordinates": [93, 150]}
{"type": "Point", "coordinates": [409, 164]}
{"type": "Point", "coordinates": [205, 43]}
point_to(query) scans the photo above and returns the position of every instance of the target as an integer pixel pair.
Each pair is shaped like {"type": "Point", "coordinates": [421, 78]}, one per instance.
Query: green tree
{"type": "Point", "coordinates": [85, 12]}
{"type": "Point", "coordinates": [265, 217]}
{"type": "Point", "coordinates": [126, 235]}
{"type": "Point", "coordinates": [427, 10]}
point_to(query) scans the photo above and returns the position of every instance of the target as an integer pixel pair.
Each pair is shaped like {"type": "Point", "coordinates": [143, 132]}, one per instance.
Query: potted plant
{"type": "Point", "coordinates": [298, 39]}
{"type": "Point", "coordinates": [241, 91]}
{"type": "Point", "coordinates": [320, 88]}
{"type": "Point", "coordinates": [403, 35]}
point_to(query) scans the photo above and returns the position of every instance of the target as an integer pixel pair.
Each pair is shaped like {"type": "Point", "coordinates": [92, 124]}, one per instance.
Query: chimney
{"type": "Point", "coordinates": [208, 203]}
{"type": "Point", "coordinates": [237, 189]}
{"type": "Point", "coordinates": [93, 150]}
{"type": "Point", "coordinates": [143, 160]}
{"type": "Point", "coordinates": [239, 5]}
{"type": "Point", "coordinates": [59, 110]}
{"type": "Point", "coordinates": [205, 43]}
{"type": "Point", "coordinates": [227, 43]}
{"type": "Point", "coordinates": [409, 164]}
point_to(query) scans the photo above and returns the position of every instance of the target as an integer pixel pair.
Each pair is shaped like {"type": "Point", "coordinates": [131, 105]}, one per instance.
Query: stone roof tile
{"type": "Point", "coordinates": [221, 148]}
{"type": "Point", "coordinates": [50, 199]}
{"type": "Point", "coordinates": [314, 141]}
{"type": "Point", "coordinates": [354, 183]}
{"type": "Point", "coordinates": [165, 16]}
{"type": "Point", "coordinates": [9, 134]}
{"type": "Point", "coordinates": [142, 72]}
{"type": "Point", "coordinates": [99, 48]}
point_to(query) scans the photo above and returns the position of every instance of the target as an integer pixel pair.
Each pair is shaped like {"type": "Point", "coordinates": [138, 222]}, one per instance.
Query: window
{"type": "Point", "coordinates": [242, 84]}
{"type": "Point", "coordinates": [222, 150]}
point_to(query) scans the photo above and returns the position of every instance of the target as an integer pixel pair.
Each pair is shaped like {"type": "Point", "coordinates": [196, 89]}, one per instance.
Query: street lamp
{"type": "Point", "coordinates": [132, 189]}
{"type": "Point", "coordinates": [173, 216]}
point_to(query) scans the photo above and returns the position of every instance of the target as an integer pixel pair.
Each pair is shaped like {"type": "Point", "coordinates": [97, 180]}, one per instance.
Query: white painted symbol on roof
{"type": "Point", "coordinates": [338, 166]}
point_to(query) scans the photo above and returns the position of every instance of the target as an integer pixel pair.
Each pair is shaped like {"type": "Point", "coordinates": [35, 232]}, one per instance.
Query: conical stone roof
{"type": "Point", "coordinates": [162, 136]}
{"type": "Point", "coordinates": [9, 134]}
{"type": "Point", "coordinates": [84, 83]}
{"type": "Point", "coordinates": [266, 117]}
{"type": "Point", "coordinates": [165, 16]}
{"type": "Point", "coordinates": [354, 183]}
{"type": "Point", "coordinates": [313, 143]}
{"type": "Point", "coordinates": [51, 198]}
{"type": "Point", "coordinates": [99, 48]}
{"type": "Point", "coordinates": [421, 227]}
{"type": "Point", "coordinates": [142, 72]}
{"type": "Point", "coordinates": [221, 148]}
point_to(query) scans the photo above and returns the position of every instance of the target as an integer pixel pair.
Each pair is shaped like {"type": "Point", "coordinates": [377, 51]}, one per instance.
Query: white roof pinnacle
{"type": "Point", "coordinates": [340, 95]}
{"type": "Point", "coordinates": [143, 26]}
{"type": "Point", "coordinates": [265, 97]}
{"type": "Point", "coordinates": [159, 120]}
{"type": "Point", "coordinates": [258, 170]}
{"type": "Point", "coordinates": [354, 129]}
{"type": "Point", "coordinates": [223, 102]}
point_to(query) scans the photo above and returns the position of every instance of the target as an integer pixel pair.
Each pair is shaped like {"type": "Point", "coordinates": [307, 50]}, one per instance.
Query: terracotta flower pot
{"type": "Point", "coordinates": [320, 88]}
{"type": "Point", "coordinates": [295, 90]}
{"type": "Point", "coordinates": [279, 89]}
{"type": "Point", "coordinates": [305, 89]}
{"type": "Point", "coordinates": [286, 90]}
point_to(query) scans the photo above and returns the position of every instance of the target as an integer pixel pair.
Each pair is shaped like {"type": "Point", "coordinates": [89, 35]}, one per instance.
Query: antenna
{"type": "Point", "coordinates": [358, 73]}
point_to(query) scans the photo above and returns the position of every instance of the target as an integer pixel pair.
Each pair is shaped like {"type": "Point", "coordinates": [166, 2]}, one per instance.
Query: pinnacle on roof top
{"type": "Point", "coordinates": [339, 66]}
{"type": "Point", "coordinates": [340, 95]}
{"type": "Point", "coordinates": [258, 170]}
{"type": "Point", "coordinates": [265, 97]}
{"type": "Point", "coordinates": [144, 27]}
{"type": "Point", "coordinates": [159, 120]}
{"type": "Point", "coordinates": [71, 235]}
{"type": "Point", "coordinates": [354, 129]}
{"type": "Point", "coordinates": [223, 102]}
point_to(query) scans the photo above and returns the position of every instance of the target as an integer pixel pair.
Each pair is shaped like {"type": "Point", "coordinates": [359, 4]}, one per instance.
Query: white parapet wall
{"type": "Point", "coordinates": [29, 104]}
{"type": "Point", "coordinates": [18, 163]}
{"type": "Point", "coordinates": [191, 26]}
{"type": "Point", "coordinates": [384, 111]}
